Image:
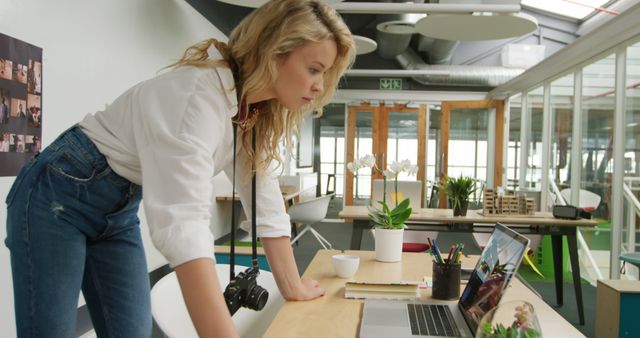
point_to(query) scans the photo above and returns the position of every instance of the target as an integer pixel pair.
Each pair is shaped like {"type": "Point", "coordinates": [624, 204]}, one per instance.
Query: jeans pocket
{"type": "Point", "coordinates": [70, 167]}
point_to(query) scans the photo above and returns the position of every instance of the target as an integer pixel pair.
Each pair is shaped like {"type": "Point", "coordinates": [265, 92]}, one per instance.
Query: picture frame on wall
{"type": "Point", "coordinates": [20, 103]}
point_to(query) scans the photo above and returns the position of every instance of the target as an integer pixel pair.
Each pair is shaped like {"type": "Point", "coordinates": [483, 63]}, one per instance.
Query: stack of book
{"type": "Point", "coordinates": [381, 290]}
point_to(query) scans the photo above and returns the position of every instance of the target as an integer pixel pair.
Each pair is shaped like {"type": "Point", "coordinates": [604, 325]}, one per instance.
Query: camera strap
{"type": "Point", "coordinates": [254, 238]}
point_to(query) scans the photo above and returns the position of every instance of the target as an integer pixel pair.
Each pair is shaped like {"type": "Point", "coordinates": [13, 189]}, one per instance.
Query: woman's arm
{"type": "Point", "coordinates": [202, 295]}
{"type": "Point", "coordinates": [284, 269]}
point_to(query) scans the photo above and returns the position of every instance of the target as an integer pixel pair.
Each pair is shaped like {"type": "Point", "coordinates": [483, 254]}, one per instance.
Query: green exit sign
{"type": "Point", "coordinates": [391, 84]}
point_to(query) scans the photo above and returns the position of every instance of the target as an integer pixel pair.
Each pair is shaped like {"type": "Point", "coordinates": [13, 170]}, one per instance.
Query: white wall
{"type": "Point", "coordinates": [92, 52]}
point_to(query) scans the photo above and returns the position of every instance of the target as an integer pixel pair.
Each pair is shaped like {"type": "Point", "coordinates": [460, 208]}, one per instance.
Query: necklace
{"type": "Point", "coordinates": [247, 120]}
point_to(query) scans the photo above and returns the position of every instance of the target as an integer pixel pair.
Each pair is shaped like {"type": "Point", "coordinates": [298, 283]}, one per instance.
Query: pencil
{"type": "Point", "coordinates": [450, 255]}
{"type": "Point", "coordinates": [460, 254]}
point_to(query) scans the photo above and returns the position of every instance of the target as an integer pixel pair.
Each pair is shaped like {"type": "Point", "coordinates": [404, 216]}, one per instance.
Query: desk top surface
{"type": "Point", "coordinates": [288, 193]}
{"type": "Point", "coordinates": [334, 316]}
{"type": "Point", "coordinates": [473, 216]}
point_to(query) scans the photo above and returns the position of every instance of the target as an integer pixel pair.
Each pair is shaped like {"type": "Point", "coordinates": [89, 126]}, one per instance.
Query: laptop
{"type": "Point", "coordinates": [406, 189]}
{"type": "Point", "coordinates": [498, 263]}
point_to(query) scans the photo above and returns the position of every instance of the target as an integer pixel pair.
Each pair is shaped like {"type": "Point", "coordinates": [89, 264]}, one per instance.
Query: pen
{"type": "Point", "coordinates": [455, 253]}
{"type": "Point", "coordinates": [437, 252]}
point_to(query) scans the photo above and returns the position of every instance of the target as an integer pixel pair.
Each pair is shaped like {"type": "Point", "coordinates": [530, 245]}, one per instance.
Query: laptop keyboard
{"type": "Point", "coordinates": [432, 320]}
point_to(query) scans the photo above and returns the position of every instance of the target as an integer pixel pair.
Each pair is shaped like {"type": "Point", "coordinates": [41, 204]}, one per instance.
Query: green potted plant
{"type": "Point", "coordinates": [458, 191]}
{"type": "Point", "coordinates": [388, 223]}
{"type": "Point", "coordinates": [514, 319]}
{"type": "Point", "coordinates": [389, 227]}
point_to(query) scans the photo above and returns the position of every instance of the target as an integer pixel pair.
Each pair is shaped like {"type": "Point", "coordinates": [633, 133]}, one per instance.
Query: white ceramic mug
{"type": "Point", "coordinates": [345, 265]}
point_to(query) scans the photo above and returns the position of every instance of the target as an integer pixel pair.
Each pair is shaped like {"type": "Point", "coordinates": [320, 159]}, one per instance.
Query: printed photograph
{"type": "Point", "coordinates": [34, 115]}
{"type": "Point", "coordinates": [16, 144]}
{"type": "Point", "coordinates": [6, 69]}
{"type": "Point", "coordinates": [18, 108]}
{"type": "Point", "coordinates": [20, 73]}
{"type": "Point", "coordinates": [34, 77]}
{"type": "Point", "coordinates": [31, 144]}
{"type": "Point", "coordinates": [4, 142]}
{"type": "Point", "coordinates": [5, 101]}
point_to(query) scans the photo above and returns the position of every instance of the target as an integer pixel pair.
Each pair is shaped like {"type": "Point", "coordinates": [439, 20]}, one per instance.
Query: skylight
{"type": "Point", "coordinates": [577, 9]}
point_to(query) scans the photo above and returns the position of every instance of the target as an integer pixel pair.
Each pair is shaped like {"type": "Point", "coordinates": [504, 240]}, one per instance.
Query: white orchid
{"type": "Point", "coordinates": [368, 160]}
{"type": "Point", "coordinates": [390, 174]}
{"type": "Point", "coordinates": [412, 170]}
{"type": "Point", "coordinates": [402, 166]}
{"type": "Point", "coordinates": [395, 168]}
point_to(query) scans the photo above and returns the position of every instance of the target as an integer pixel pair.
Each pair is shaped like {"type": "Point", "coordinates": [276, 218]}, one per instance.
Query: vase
{"type": "Point", "coordinates": [461, 210]}
{"type": "Point", "coordinates": [388, 244]}
{"type": "Point", "coordinates": [518, 317]}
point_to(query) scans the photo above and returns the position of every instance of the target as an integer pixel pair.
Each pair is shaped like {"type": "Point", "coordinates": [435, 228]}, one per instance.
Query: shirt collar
{"type": "Point", "coordinates": [226, 80]}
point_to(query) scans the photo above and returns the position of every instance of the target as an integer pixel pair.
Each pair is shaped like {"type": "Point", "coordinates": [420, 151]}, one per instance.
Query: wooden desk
{"type": "Point", "coordinates": [287, 195]}
{"type": "Point", "coordinates": [334, 316]}
{"type": "Point", "coordinates": [541, 223]}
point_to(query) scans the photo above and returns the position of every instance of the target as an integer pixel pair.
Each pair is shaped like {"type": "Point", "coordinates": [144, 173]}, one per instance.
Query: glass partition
{"type": "Point", "coordinates": [562, 97]}
{"type": "Point", "coordinates": [363, 146]}
{"type": "Point", "coordinates": [630, 236]}
{"type": "Point", "coordinates": [513, 146]}
{"type": "Point", "coordinates": [598, 103]}
{"type": "Point", "coordinates": [534, 158]}
{"type": "Point", "coordinates": [402, 140]}
{"type": "Point", "coordinates": [632, 151]}
{"type": "Point", "coordinates": [332, 149]}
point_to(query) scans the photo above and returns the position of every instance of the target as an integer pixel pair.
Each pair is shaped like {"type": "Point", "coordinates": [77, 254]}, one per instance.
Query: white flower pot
{"type": "Point", "coordinates": [388, 244]}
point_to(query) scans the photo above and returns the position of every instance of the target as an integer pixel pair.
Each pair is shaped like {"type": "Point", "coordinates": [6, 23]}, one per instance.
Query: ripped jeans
{"type": "Point", "coordinates": [72, 225]}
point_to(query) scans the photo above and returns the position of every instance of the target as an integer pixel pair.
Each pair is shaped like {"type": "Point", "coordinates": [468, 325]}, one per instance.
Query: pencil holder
{"type": "Point", "coordinates": [446, 281]}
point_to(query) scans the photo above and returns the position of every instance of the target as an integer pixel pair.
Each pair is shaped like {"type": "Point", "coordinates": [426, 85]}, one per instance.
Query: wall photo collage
{"type": "Point", "coordinates": [20, 103]}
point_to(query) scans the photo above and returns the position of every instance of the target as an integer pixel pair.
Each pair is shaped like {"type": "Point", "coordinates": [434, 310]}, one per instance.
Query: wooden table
{"type": "Point", "coordinates": [540, 223]}
{"type": "Point", "coordinates": [334, 316]}
{"type": "Point", "coordinates": [288, 195]}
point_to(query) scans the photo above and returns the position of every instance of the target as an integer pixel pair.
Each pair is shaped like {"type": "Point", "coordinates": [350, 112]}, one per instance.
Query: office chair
{"type": "Point", "coordinates": [309, 213]}
{"type": "Point", "coordinates": [589, 201]}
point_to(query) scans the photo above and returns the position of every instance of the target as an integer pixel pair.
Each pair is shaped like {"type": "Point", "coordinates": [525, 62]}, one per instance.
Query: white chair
{"type": "Point", "coordinates": [170, 312]}
{"type": "Point", "coordinates": [308, 213]}
{"type": "Point", "coordinates": [589, 201]}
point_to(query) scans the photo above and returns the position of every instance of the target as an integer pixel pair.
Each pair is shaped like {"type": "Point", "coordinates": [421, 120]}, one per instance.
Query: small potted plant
{"type": "Point", "coordinates": [388, 223]}
{"type": "Point", "coordinates": [458, 191]}
{"type": "Point", "coordinates": [389, 227]}
{"type": "Point", "coordinates": [514, 319]}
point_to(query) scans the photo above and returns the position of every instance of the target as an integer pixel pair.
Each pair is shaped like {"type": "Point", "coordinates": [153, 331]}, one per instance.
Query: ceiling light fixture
{"type": "Point", "coordinates": [480, 26]}
{"type": "Point", "coordinates": [364, 45]}
{"type": "Point", "coordinates": [258, 3]}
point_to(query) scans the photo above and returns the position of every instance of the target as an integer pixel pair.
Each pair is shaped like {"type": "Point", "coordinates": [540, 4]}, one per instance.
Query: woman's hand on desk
{"type": "Point", "coordinates": [284, 269]}
{"type": "Point", "coordinates": [311, 289]}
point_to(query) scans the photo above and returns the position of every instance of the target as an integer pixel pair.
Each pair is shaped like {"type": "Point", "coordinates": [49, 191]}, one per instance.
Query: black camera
{"type": "Point", "coordinates": [245, 291]}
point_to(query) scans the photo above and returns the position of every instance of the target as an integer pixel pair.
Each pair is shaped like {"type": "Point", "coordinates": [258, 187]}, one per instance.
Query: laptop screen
{"type": "Point", "coordinates": [406, 189]}
{"type": "Point", "coordinates": [495, 268]}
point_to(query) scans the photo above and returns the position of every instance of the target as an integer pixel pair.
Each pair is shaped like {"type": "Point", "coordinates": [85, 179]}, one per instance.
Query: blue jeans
{"type": "Point", "coordinates": [72, 225]}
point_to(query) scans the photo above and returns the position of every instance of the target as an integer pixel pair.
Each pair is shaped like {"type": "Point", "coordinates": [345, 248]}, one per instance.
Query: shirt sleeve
{"type": "Point", "coordinates": [176, 159]}
{"type": "Point", "coordinates": [271, 218]}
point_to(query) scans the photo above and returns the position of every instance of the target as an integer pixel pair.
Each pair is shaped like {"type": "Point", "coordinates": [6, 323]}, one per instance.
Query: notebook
{"type": "Point", "coordinates": [498, 263]}
{"type": "Point", "coordinates": [406, 189]}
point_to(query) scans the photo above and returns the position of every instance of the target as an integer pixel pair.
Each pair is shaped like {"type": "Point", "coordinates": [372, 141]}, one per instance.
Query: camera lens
{"type": "Point", "coordinates": [256, 298]}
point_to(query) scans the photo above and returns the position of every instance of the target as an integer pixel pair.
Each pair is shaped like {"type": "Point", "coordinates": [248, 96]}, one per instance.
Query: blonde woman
{"type": "Point", "coordinates": [72, 221]}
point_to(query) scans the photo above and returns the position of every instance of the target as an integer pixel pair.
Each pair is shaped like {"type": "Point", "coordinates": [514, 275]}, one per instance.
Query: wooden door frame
{"type": "Point", "coordinates": [445, 123]}
{"type": "Point", "coordinates": [379, 128]}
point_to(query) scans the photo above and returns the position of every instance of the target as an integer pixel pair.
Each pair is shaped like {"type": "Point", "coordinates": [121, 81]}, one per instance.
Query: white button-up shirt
{"type": "Point", "coordinates": [172, 134]}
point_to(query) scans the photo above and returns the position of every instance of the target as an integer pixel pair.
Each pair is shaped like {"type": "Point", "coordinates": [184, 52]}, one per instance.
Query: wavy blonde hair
{"type": "Point", "coordinates": [271, 31]}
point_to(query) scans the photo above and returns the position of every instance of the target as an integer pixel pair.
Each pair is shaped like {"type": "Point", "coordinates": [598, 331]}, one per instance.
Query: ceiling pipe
{"type": "Point", "coordinates": [490, 76]}
{"type": "Point", "coordinates": [436, 51]}
{"type": "Point", "coordinates": [399, 8]}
